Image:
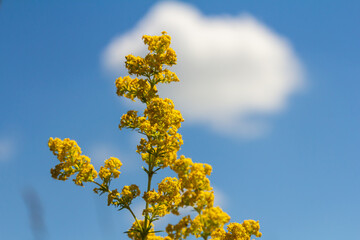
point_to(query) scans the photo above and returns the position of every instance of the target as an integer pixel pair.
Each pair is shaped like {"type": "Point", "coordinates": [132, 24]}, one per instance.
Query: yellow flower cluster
{"type": "Point", "coordinates": [136, 232]}
{"type": "Point", "coordinates": [135, 88]}
{"type": "Point", "coordinates": [160, 121]}
{"type": "Point", "coordinates": [71, 161]}
{"type": "Point", "coordinates": [159, 124]}
{"type": "Point", "coordinates": [113, 197]}
{"type": "Point", "coordinates": [203, 225]}
{"type": "Point", "coordinates": [110, 170]}
{"type": "Point", "coordinates": [166, 199]}
{"type": "Point", "coordinates": [237, 231]}
{"type": "Point", "coordinates": [181, 230]}
{"type": "Point", "coordinates": [210, 219]}
{"type": "Point", "coordinates": [123, 199]}
{"type": "Point", "coordinates": [195, 186]}
{"type": "Point", "coordinates": [152, 66]}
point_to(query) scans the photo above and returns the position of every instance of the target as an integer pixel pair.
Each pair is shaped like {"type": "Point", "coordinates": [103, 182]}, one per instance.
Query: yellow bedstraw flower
{"type": "Point", "coordinates": [123, 199]}
{"type": "Point", "coordinates": [161, 113]}
{"type": "Point", "coordinates": [137, 66]}
{"type": "Point", "coordinates": [203, 199]}
{"type": "Point", "coordinates": [166, 199]}
{"type": "Point", "coordinates": [86, 173]}
{"type": "Point", "coordinates": [71, 161]}
{"type": "Point", "coordinates": [169, 191]}
{"type": "Point", "coordinates": [192, 175]}
{"type": "Point", "coordinates": [237, 231]}
{"type": "Point", "coordinates": [135, 88]}
{"type": "Point", "coordinates": [153, 237]}
{"type": "Point", "coordinates": [135, 232]}
{"type": "Point", "coordinates": [218, 234]}
{"type": "Point", "coordinates": [64, 149]}
{"type": "Point", "coordinates": [131, 120]}
{"type": "Point", "coordinates": [157, 44]}
{"type": "Point", "coordinates": [252, 227]}
{"type": "Point", "coordinates": [128, 194]}
{"type": "Point", "coordinates": [181, 230]}
{"type": "Point", "coordinates": [159, 124]}
{"type": "Point", "coordinates": [208, 221]}
{"type": "Point", "coordinates": [195, 186]}
{"type": "Point", "coordinates": [152, 65]}
{"type": "Point", "coordinates": [111, 169]}
{"type": "Point", "coordinates": [112, 197]}
{"type": "Point", "coordinates": [151, 197]}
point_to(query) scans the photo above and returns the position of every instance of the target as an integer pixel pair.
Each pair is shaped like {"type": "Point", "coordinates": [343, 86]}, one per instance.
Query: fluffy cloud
{"type": "Point", "coordinates": [234, 71]}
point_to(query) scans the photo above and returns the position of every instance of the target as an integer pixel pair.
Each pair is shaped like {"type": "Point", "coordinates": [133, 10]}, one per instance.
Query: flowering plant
{"type": "Point", "coordinates": [158, 148]}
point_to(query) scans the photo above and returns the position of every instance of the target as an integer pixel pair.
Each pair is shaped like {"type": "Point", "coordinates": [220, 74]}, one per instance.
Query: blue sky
{"type": "Point", "coordinates": [297, 172]}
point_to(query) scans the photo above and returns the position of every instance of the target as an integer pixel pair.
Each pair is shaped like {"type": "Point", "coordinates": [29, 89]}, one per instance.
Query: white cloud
{"type": "Point", "coordinates": [7, 149]}
{"type": "Point", "coordinates": [233, 69]}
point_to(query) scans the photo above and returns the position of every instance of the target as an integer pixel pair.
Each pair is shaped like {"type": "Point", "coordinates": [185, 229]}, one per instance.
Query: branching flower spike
{"type": "Point", "coordinates": [159, 125]}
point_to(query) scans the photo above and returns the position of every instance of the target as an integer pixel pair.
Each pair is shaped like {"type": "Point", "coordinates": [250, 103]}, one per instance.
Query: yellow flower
{"type": "Point", "coordinates": [181, 230]}
{"type": "Point", "coordinates": [135, 88]}
{"type": "Point", "coordinates": [159, 124]}
{"type": "Point", "coordinates": [111, 169]}
{"type": "Point", "coordinates": [71, 161]}
{"type": "Point", "coordinates": [151, 197]}
{"type": "Point", "coordinates": [237, 231]}
{"type": "Point", "coordinates": [127, 194]}
{"type": "Point", "coordinates": [208, 221]}
{"type": "Point", "coordinates": [112, 196]}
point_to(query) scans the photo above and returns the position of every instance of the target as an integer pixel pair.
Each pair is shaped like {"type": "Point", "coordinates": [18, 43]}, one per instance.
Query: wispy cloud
{"type": "Point", "coordinates": [234, 70]}
{"type": "Point", "coordinates": [101, 151]}
{"type": "Point", "coordinates": [7, 148]}
{"type": "Point", "coordinates": [220, 197]}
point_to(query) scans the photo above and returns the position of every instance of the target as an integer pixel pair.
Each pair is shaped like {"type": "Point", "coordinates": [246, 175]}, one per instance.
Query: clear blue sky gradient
{"type": "Point", "coordinates": [301, 180]}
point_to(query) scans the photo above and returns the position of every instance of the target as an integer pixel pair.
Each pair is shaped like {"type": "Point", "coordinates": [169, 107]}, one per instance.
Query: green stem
{"type": "Point", "coordinates": [98, 184]}
{"type": "Point", "coordinates": [150, 174]}
{"type": "Point", "coordinates": [132, 213]}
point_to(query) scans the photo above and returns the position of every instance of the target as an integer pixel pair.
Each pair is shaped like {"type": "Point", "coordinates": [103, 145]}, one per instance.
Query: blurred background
{"type": "Point", "coordinates": [269, 91]}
